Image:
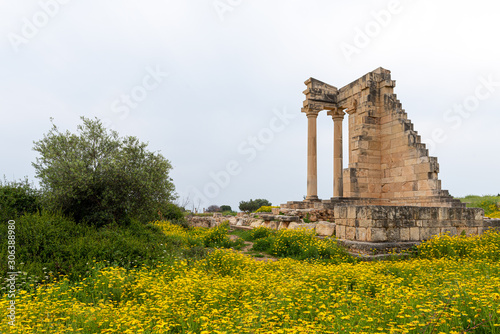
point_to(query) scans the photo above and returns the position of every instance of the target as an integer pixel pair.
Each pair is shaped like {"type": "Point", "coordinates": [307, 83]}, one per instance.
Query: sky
{"type": "Point", "coordinates": [216, 86]}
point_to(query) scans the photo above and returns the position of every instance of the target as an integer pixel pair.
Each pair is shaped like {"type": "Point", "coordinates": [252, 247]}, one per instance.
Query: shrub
{"type": "Point", "coordinates": [226, 262]}
{"type": "Point", "coordinates": [303, 244]}
{"type": "Point", "coordinates": [213, 208]}
{"type": "Point", "coordinates": [252, 205]}
{"type": "Point", "coordinates": [484, 246]}
{"type": "Point", "coordinates": [263, 244]}
{"type": "Point", "coordinates": [225, 208]}
{"type": "Point", "coordinates": [98, 178]}
{"type": "Point", "coordinates": [171, 212]}
{"type": "Point", "coordinates": [50, 243]}
{"type": "Point", "coordinates": [17, 198]}
{"type": "Point", "coordinates": [261, 232]}
{"type": "Point", "coordinates": [266, 208]}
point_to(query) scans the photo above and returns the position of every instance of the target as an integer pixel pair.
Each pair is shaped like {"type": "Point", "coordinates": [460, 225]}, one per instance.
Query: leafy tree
{"type": "Point", "coordinates": [17, 198]}
{"type": "Point", "coordinates": [98, 177]}
{"type": "Point", "coordinates": [225, 208]}
{"type": "Point", "coordinates": [213, 208]}
{"type": "Point", "coordinates": [252, 205]}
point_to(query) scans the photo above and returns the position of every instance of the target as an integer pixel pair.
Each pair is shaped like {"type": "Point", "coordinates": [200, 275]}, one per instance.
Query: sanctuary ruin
{"type": "Point", "coordinates": [390, 191]}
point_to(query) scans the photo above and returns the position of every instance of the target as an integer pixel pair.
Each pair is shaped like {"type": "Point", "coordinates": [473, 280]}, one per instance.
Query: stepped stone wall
{"type": "Point", "coordinates": [390, 191]}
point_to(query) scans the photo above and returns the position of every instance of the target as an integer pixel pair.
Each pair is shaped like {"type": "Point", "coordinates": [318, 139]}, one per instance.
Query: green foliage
{"type": "Point", "coordinates": [263, 244]}
{"type": "Point", "coordinates": [300, 244]}
{"type": "Point", "coordinates": [99, 178]}
{"type": "Point", "coordinates": [261, 232]}
{"type": "Point", "coordinates": [226, 262]}
{"type": "Point", "coordinates": [171, 212]}
{"type": "Point", "coordinates": [484, 246]}
{"type": "Point", "coordinates": [225, 208]}
{"type": "Point", "coordinates": [489, 203]}
{"type": "Point", "coordinates": [266, 208]}
{"type": "Point", "coordinates": [17, 198]}
{"type": "Point", "coordinates": [217, 237]}
{"type": "Point", "coordinates": [49, 243]}
{"type": "Point", "coordinates": [253, 205]}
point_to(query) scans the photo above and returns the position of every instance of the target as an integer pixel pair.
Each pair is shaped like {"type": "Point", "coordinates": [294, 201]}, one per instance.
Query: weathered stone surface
{"type": "Point", "coordinates": [325, 228]}
{"type": "Point", "coordinates": [256, 223]}
{"type": "Point", "coordinates": [294, 226]}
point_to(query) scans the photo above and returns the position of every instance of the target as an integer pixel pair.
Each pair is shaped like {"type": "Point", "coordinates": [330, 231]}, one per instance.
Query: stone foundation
{"type": "Point", "coordinates": [375, 223]}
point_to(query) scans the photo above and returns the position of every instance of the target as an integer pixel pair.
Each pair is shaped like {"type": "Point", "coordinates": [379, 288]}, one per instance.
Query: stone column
{"type": "Point", "coordinates": [338, 181]}
{"type": "Point", "coordinates": [312, 158]}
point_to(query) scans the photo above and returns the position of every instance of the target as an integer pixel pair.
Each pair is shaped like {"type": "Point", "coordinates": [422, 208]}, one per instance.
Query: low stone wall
{"type": "Point", "coordinates": [278, 222]}
{"type": "Point", "coordinates": [313, 215]}
{"type": "Point", "coordinates": [407, 223]}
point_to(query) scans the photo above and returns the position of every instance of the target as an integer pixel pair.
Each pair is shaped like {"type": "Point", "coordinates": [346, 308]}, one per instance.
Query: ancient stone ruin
{"type": "Point", "coordinates": [390, 192]}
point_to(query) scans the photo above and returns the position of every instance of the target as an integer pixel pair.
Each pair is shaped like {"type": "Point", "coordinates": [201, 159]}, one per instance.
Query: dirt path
{"type": "Point", "coordinates": [257, 256]}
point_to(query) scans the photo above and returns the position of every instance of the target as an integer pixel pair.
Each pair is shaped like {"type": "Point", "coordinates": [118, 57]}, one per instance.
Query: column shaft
{"type": "Point", "coordinates": [338, 181]}
{"type": "Point", "coordinates": [312, 167]}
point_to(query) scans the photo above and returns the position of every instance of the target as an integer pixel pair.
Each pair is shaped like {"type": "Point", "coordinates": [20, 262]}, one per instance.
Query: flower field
{"type": "Point", "coordinates": [227, 292]}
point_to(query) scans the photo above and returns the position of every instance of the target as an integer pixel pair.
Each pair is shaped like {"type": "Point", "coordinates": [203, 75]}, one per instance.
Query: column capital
{"type": "Point", "coordinates": [310, 112]}
{"type": "Point", "coordinates": [337, 113]}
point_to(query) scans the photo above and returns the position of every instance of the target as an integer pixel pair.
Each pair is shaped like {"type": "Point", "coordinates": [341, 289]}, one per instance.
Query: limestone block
{"type": "Point", "coordinates": [283, 225]}
{"type": "Point", "coordinates": [340, 231]}
{"type": "Point", "coordinates": [404, 234]}
{"type": "Point", "coordinates": [350, 222]}
{"type": "Point", "coordinates": [351, 212]}
{"type": "Point", "coordinates": [256, 223]}
{"type": "Point", "coordinates": [340, 212]}
{"type": "Point", "coordinates": [276, 211]}
{"type": "Point", "coordinates": [350, 233]}
{"type": "Point", "coordinates": [361, 233]}
{"type": "Point", "coordinates": [341, 222]}
{"type": "Point", "coordinates": [325, 228]}
{"type": "Point", "coordinates": [427, 232]}
{"type": "Point", "coordinates": [295, 226]}
{"type": "Point", "coordinates": [273, 224]}
{"type": "Point", "coordinates": [364, 223]}
{"type": "Point", "coordinates": [414, 233]}
{"type": "Point", "coordinates": [393, 234]}
{"type": "Point", "coordinates": [378, 235]}
{"type": "Point", "coordinates": [444, 213]}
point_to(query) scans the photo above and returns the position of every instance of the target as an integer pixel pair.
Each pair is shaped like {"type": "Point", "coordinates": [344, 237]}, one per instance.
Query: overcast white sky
{"type": "Point", "coordinates": [228, 77]}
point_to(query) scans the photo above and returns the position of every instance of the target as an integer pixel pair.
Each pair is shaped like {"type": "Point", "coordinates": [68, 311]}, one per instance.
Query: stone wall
{"type": "Point", "coordinates": [407, 223]}
{"type": "Point", "coordinates": [387, 160]}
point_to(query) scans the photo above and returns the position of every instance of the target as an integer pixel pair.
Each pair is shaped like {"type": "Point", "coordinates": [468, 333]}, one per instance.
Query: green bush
{"type": "Point", "coordinates": [266, 208]}
{"type": "Point", "coordinates": [171, 212]}
{"type": "Point", "coordinates": [302, 244]}
{"type": "Point", "coordinates": [99, 178]}
{"type": "Point", "coordinates": [48, 245]}
{"type": "Point", "coordinates": [261, 232]}
{"type": "Point", "coordinates": [253, 205]}
{"type": "Point", "coordinates": [263, 244]}
{"type": "Point", "coordinates": [17, 198]}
